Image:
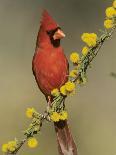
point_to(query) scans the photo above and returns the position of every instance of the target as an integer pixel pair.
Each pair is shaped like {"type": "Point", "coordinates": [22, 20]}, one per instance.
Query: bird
{"type": "Point", "coordinates": [51, 68]}
{"type": "Point", "coordinates": [49, 65]}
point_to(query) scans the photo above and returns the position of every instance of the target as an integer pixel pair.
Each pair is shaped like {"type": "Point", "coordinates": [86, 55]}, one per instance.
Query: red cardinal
{"type": "Point", "coordinates": [50, 68]}
{"type": "Point", "coordinates": [50, 65]}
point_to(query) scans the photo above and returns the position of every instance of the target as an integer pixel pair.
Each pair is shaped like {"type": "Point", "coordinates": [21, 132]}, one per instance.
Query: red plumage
{"type": "Point", "coordinates": [47, 22]}
{"type": "Point", "coordinates": [49, 65]}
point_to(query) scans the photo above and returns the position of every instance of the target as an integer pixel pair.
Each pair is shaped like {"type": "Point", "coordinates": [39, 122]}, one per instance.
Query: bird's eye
{"type": "Point", "coordinates": [49, 32]}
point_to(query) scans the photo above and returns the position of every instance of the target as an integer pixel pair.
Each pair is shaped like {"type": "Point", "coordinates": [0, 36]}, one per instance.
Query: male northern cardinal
{"type": "Point", "coordinates": [50, 68]}
{"type": "Point", "coordinates": [50, 65]}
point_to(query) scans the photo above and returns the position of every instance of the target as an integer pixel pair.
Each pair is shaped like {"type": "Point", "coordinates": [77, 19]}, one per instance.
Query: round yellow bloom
{"type": "Point", "coordinates": [70, 86]}
{"type": "Point", "coordinates": [63, 115]}
{"type": "Point", "coordinates": [110, 12]}
{"type": "Point", "coordinates": [29, 112]}
{"type": "Point", "coordinates": [114, 4]}
{"type": "Point", "coordinates": [12, 146]}
{"type": "Point", "coordinates": [55, 92]}
{"type": "Point", "coordinates": [74, 57]}
{"type": "Point", "coordinates": [55, 117]}
{"type": "Point", "coordinates": [108, 23]}
{"type": "Point", "coordinates": [73, 73]}
{"type": "Point", "coordinates": [32, 142]}
{"type": "Point", "coordinates": [5, 148]}
{"type": "Point", "coordinates": [90, 39]}
{"type": "Point", "coordinates": [85, 50]}
{"type": "Point", "coordinates": [63, 90]}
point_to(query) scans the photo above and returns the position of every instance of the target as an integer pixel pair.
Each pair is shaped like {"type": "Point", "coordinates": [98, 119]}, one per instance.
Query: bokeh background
{"type": "Point", "coordinates": [92, 111]}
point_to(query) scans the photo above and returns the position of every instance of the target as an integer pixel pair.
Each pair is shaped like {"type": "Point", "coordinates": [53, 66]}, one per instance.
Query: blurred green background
{"type": "Point", "coordinates": [92, 111]}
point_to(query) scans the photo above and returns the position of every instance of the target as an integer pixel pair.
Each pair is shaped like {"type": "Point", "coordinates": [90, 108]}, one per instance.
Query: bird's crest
{"type": "Point", "coordinates": [47, 21]}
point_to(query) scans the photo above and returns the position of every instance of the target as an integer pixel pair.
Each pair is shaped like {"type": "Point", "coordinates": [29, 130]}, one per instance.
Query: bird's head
{"type": "Point", "coordinates": [50, 32]}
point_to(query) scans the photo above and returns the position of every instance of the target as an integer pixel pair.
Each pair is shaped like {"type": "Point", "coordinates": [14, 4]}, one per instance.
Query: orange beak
{"type": "Point", "coordinates": [58, 34]}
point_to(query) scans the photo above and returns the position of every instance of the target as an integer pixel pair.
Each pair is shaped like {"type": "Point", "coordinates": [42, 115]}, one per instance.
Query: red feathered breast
{"type": "Point", "coordinates": [50, 69]}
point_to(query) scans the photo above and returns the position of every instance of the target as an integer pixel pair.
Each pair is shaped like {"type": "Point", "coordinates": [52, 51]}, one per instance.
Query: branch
{"type": "Point", "coordinates": [57, 106]}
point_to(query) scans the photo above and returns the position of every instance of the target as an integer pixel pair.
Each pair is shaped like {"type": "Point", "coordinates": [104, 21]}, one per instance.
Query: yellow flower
{"type": "Point", "coordinates": [85, 50]}
{"type": "Point", "coordinates": [63, 90]}
{"type": "Point", "coordinates": [114, 4]}
{"type": "Point", "coordinates": [108, 23]}
{"type": "Point", "coordinates": [9, 147]}
{"type": "Point", "coordinates": [5, 148]}
{"type": "Point", "coordinates": [74, 57]}
{"type": "Point", "coordinates": [55, 117]}
{"type": "Point", "coordinates": [73, 73]}
{"type": "Point", "coordinates": [63, 115]}
{"type": "Point", "coordinates": [12, 146]}
{"type": "Point", "coordinates": [55, 92]}
{"type": "Point", "coordinates": [29, 112]}
{"type": "Point", "coordinates": [70, 86]}
{"type": "Point", "coordinates": [110, 12]}
{"type": "Point", "coordinates": [32, 142]}
{"type": "Point", "coordinates": [90, 39]}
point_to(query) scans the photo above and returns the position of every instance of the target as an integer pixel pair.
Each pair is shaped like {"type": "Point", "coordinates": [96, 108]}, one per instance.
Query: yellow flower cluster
{"type": "Point", "coordinates": [63, 115]}
{"type": "Point", "coordinates": [55, 92]}
{"type": "Point", "coordinates": [108, 23]}
{"type": "Point", "coordinates": [56, 117]}
{"type": "Point", "coordinates": [29, 112]}
{"type": "Point", "coordinates": [73, 73]}
{"type": "Point", "coordinates": [90, 39]}
{"type": "Point", "coordinates": [9, 147]}
{"type": "Point", "coordinates": [63, 90]}
{"type": "Point", "coordinates": [85, 50]}
{"type": "Point", "coordinates": [68, 88]}
{"type": "Point", "coordinates": [74, 57]}
{"type": "Point", "coordinates": [110, 12]}
{"type": "Point", "coordinates": [32, 142]}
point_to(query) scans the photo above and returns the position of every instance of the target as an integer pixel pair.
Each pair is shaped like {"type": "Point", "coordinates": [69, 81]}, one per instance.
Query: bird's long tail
{"type": "Point", "coordinates": [66, 144]}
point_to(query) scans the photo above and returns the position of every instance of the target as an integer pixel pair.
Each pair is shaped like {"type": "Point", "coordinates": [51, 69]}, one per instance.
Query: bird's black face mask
{"type": "Point", "coordinates": [56, 42]}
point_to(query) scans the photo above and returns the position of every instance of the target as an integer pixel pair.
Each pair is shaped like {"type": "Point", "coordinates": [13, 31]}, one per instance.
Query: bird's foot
{"type": "Point", "coordinates": [48, 103]}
